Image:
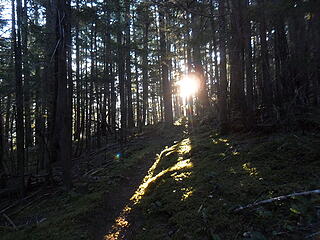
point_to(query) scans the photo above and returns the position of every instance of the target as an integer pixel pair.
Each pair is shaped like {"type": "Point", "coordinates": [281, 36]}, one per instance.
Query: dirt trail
{"type": "Point", "coordinates": [115, 220]}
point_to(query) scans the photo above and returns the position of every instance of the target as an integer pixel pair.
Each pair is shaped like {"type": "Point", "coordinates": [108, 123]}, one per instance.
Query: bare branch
{"type": "Point", "coordinates": [280, 198]}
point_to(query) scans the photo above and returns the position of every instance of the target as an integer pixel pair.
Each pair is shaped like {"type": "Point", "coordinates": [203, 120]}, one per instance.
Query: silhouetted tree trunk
{"type": "Point", "coordinates": [281, 61]}
{"type": "Point", "coordinates": [236, 61]}
{"type": "Point", "coordinates": [62, 108]}
{"type": "Point", "coordinates": [128, 65]}
{"type": "Point", "coordinates": [145, 75]}
{"type": "Point", "coordinates": [26, 74]}
{"type": "Point", "coordinates": [50, 85]}
{"type": "Point", "coordinates": [78, 84]}
{"type": "Point", "coordinates": [223, 107]}
{"type": "Point", "coordinates": [196, 56]}
{"type": "Point", "coordinates": [166, 85]}
{"type": "Point", "coordinates": [248, 62]}
{"type": "Point", "coordinates": [266, 86]}
{"type": "Point", "coordinates": [1, 140]}
{"type": "Point", "coordinates": [19, 91]}
{"type": "Point", "coordinates": [121, 73]}
{"type": "Point", "coordinates": [315, 53]}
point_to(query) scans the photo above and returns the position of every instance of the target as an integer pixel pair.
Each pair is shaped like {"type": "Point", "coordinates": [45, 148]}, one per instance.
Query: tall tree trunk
{"type": "Point", "coordinates": [248, 66]}
{"type": "Point", "coordinates": [62, 108]}
{"type": "Point", "coordinates": [138, 112]}
{"type": "Point", "coordinates": [315, 54]}
{"type": "Point", "coordinates": [266, 78]}
{"type": "Point", "coordinates": [236, 62]}
{"type": "Point", "coordinates": [223, 107]}
{"type": "Point", "coordinates": [19, 92]}
{"type": "Point", "coordinates": [166, 85]}
{"type": "Point", "coordinates": [50, 85]}
{"type": "Point", "coordinates": [145, 69]}
{"type": "Point", "coordinates": [196, 55]}
{"type": "Point", "coordinates": [1, 141]}
{"type": "Point", "coordinates": [26, 74]}
{"type": "Point", "coordinates": [128, 66]}
{"type": "Point", "coordinates": [281, 61]}
{"type": "Point", "coordinates": [121, 74]}
{"type": "Point", "coordinates": [78, 84]}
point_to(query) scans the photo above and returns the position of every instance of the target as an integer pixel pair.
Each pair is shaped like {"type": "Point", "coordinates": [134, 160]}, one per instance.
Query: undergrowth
{"type": "Point", "coordinates": [193, 188]}
{"type": "Point", "coordinates": [220, 173]}
{"type": "Point", "coordinates": [67, 216]}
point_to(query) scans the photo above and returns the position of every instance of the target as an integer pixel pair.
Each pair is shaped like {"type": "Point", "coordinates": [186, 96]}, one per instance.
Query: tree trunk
{"type": "Point", "coordinates": [196, 55]}
{"type": "Point", "coordinates": [222, 102]}
{"type": "Point", "coordinates": [62, 108]}
{"type": "Point", "coordinates": [1, 141]}
{"type": "Point", "coordinates": [128, 66]}
{"type": "Point", "coordinates": [166, 85]}
{"type": "Point", "coordinates": [248, 67]}
{"type": "Point", "coordinates": [121, 74]}
{"type": "Point", "coordinates": [19, 92]}
{"type": "Point", "coordinates": [266, 86]}
{"type": "Point", "coordinates": [236, 64]}
{"type": "Point", "coordinates": [145, 77]}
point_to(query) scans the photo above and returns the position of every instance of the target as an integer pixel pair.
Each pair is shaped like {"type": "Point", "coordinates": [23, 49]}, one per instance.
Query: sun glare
{"type": "Point", "coordinates": [188, 85]}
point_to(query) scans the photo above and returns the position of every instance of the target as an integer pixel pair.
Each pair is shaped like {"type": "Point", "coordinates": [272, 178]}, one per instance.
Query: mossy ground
{"type": "Point", "coordinates": [76, 215]}
{"type": "Point", "coordinates": [192, 188]}
{"type": "Point", "coordinates": [218, 173]}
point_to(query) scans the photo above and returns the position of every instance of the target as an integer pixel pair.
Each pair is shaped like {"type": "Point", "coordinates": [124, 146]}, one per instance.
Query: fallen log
{"type": "Point", "coordinates": [280, 198]}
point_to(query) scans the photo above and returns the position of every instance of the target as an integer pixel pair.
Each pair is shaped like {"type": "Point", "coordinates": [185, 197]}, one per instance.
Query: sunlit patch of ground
{"type": "Point", "coordinates": [180, 149]}
{"type": "Point", "coordinates": [196, 202]}
{"type": "Point", "coordinates": [121, 223]}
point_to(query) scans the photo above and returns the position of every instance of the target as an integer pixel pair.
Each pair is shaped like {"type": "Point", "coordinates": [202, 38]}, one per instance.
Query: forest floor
{"type": "Point", "coordinates": [171, 183]}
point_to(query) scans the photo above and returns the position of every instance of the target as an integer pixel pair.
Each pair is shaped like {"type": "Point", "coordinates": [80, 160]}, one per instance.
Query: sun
{"type": "Point", "coordinates": [188, 85]}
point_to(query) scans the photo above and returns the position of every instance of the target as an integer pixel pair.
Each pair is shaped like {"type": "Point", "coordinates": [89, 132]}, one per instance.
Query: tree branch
{"type": "Point", "coordinates": [280, 198]}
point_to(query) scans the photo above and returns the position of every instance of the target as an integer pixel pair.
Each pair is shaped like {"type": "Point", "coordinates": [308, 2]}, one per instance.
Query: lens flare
{"type": "Point", "coordinates": [188, 85]}
{"type": "Point", "coordinates": [117, 156]}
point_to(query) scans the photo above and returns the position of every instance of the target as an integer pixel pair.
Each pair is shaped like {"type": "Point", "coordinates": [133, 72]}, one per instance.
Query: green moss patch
{"type": "Point", "coordinates": [197, 201]}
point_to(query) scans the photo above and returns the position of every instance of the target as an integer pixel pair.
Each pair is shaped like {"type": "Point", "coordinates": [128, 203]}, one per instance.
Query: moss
{"type": "Point", "coordinates": [69, 214]}
{"type": "Point", "coordinates": [193, 187]}
{"type": "Point", "coordinates": [228, 171]}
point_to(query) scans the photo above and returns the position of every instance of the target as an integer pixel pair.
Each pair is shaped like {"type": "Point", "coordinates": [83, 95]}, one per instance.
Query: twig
{"type": "Point", "coordinates": [280, 198]}
{"type": "Point", "coordinates": [10, 221]}
{"type": "Point", "coordinates": [19, 201]}
{"type": "Point", "coordinates": [312, 235]}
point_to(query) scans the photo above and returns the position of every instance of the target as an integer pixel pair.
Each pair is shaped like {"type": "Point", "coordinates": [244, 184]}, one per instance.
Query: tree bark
{"type": "Point", "coordinates": [266, 86]}
{"type": "Point", "coordinates": [121, 74]}
{"type": "Point", "coordinates": [128, 66]}
{"type": "Point", "coordinates": [61, 77]}
{"type": "Point", "coordinates": [145, 77]}
{"type": "Point", "coordinates": [166, 85]}
{"type": "Point", "coordinates": [222, 102]}
{"type": "Point", "coordinates": [19, 93]}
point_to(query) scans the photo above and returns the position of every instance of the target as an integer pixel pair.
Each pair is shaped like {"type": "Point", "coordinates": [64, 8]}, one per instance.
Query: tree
{"type": "Point", "coordinates": [166, 85]}
{"type": "Point", "coordinates": [16, 36]}
{"type": "Point", "coordinates": [223, 108]}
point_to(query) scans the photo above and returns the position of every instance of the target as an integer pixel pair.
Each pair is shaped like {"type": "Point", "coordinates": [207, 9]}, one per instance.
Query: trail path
{"type": "Point", "coordinates": [116, 220]}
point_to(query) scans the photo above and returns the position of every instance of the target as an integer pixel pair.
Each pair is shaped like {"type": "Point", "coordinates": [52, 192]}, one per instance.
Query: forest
{"type": "Point", "coordinates": [159, 119]}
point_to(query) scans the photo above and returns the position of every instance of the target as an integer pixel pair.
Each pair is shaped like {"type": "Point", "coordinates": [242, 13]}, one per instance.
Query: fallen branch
{"type": "Point", "coordinates": [312, 235]}
{"type": "Point", "coordinates": [280, 198]}
{"type": "Point", "coordinates": [10, 221]}
{"type": "Point", "coordinates": [95, 170]}
{"type": "Point", "coordinates": [19, 201]}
